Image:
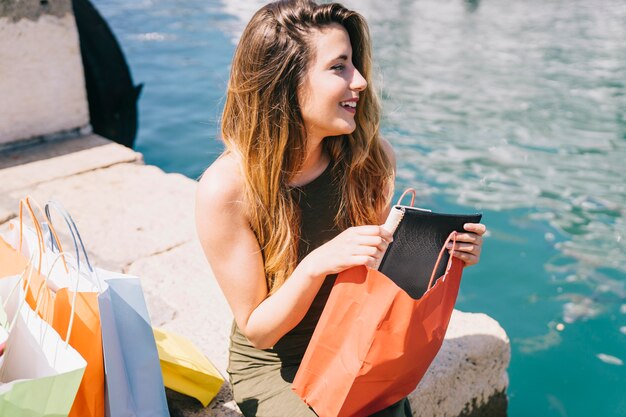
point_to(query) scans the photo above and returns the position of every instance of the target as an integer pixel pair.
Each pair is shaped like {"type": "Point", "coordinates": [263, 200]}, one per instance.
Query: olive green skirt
{"type": "Point", "coordinates": [261, 382]}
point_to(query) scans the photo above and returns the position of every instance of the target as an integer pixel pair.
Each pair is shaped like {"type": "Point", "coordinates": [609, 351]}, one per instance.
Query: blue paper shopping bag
{"type": "Point", "coordinates": [133, 376]}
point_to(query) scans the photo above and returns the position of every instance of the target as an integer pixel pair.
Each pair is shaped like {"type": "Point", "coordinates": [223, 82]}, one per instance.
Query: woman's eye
{"type": "Point", "coordinates": [338, 67]}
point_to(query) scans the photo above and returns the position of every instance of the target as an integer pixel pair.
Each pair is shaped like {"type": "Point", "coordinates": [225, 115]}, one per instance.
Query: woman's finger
{"type": "Point", "coordinates": [466, 247]}
{"type": "Point", "coordinates": [373, 230]}
{"type": "Point", "coordinates": [364, 260]}
{"type": "Point", "coordinates": [386, 234]}
{"type": "Point", "coordinates": [366, 251]}
{"type": "Point", "coordinates": [477, 228]}
{"type": "Point", "coordinates": [470, 238]}
{"type": "Point", "coordinates": [372, 264]}
{"type": "Point", "coordinates": [368, 230]}
{"type": "Point", "coordinates": [370, 240]}
{"type": "Point", "coordinates": [467, 258]}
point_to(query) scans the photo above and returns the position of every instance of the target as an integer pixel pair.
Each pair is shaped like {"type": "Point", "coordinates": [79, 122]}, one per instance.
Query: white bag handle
{"type": "Point", "coordinates": [62, 255]}
{"type": "Point", "coordinates": [78, 241]}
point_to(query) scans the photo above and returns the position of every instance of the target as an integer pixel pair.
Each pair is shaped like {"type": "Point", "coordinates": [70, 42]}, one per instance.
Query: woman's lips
{"type": "Point", "coordinates": [349, 109]}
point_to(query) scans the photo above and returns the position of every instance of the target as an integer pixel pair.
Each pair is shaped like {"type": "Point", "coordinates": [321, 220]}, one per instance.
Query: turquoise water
{"type": "Point", "coordinates": [517, 109]}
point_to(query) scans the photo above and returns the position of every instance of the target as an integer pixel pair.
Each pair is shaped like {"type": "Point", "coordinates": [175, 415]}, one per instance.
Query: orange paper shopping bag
{"type": "Point", "coordinates": [373, 342]}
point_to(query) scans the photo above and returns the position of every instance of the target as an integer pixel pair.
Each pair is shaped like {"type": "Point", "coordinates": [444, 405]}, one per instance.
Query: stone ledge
{"type": "Point", "coordinates": [468, 371]}
{"type": "Point", "coordinates": [125, 212]}
{"type": "Point", "coordinates": [28, 166]}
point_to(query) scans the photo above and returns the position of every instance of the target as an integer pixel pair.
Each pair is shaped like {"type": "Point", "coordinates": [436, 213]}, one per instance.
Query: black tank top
{"type": "Point", "coordinates": [319, 203]}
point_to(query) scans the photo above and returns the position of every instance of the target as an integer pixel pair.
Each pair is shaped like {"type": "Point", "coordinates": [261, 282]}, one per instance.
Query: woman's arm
{"type": "Point", "coordinates": [235, 257]}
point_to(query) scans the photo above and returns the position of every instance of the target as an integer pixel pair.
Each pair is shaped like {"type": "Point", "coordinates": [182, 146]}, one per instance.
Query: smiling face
{"type": "Point", "coordinates": [329, 95]}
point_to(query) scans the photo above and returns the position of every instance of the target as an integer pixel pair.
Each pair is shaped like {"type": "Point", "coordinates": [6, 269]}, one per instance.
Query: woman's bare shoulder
{"type": "Point", "coordinates": [221, 184]}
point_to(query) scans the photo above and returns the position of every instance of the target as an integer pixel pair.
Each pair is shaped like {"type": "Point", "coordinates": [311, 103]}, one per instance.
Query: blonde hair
{"type": "Point", "coordinates": [263, 125]}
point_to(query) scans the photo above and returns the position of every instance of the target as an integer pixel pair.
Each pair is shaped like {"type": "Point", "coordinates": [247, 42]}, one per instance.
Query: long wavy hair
{"type": "Point", "coordinates": [262, 124]}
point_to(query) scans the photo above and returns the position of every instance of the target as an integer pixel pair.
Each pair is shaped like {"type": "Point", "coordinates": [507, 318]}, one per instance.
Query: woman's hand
{"type": "Point", "coordinates": [469, 245]}
{"type": "Point", "coordinates": [359, 245]}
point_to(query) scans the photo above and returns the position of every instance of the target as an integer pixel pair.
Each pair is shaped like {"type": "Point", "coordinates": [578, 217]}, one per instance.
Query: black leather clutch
{"type": "Point", "coordinates": [417, 241]}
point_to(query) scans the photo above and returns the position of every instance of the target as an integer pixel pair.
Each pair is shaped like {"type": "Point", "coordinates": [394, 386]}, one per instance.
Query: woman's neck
{"type": "Point", "coordinates": [314, 164]}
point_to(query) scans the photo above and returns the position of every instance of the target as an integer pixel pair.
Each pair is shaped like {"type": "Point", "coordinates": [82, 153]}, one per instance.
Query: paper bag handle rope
{"type": "Point", "coordinates": [40, 240]}
{"type": "Point", "coordinates": [50, 226]}
{"type": "Point", "coordinates": [78, 241]}
{"type": "Point", "coordinates": [37, 230]}
{"type": "Point", "coordinates": [62, 255]}
{"type": "Point", "coordinates": [29, 268]}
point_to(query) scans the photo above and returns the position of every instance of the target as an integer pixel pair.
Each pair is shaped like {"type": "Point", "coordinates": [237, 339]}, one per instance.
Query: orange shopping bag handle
{"type": "Point", "coordinates": [37, 230]}
{"type": "Point", "coordinates": [451, 237]}
{"type": "Point", "coordinates": [407, 191]}
{"type": "Point", "coordinates": [27, 202]}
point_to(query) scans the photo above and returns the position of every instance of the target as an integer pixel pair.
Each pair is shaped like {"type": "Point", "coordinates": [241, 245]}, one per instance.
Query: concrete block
{"type": "Point", "coordinates": [27, 166]}
{"type": "Point", "coordinates": [124, 213]}
{"type": "Point", "coordinates": [42, 86]}
{"type": "Point", "coordinates": [469, 374]}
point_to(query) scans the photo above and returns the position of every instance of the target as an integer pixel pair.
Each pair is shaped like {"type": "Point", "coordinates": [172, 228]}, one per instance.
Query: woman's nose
{"type": "Point", "coordinates": [358, 83]}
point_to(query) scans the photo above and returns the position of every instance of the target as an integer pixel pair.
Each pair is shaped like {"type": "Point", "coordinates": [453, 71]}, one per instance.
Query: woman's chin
{"type": "Point", "coordinates": [347, 128]}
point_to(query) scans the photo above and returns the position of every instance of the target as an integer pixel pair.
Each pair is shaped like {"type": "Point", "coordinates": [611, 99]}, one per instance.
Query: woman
{"type": "Point", "coordinates": [298, 194]}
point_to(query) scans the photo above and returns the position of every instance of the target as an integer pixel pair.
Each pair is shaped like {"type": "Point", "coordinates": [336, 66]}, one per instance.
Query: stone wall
{"type": "Point", "coordinates": [42, 85]}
